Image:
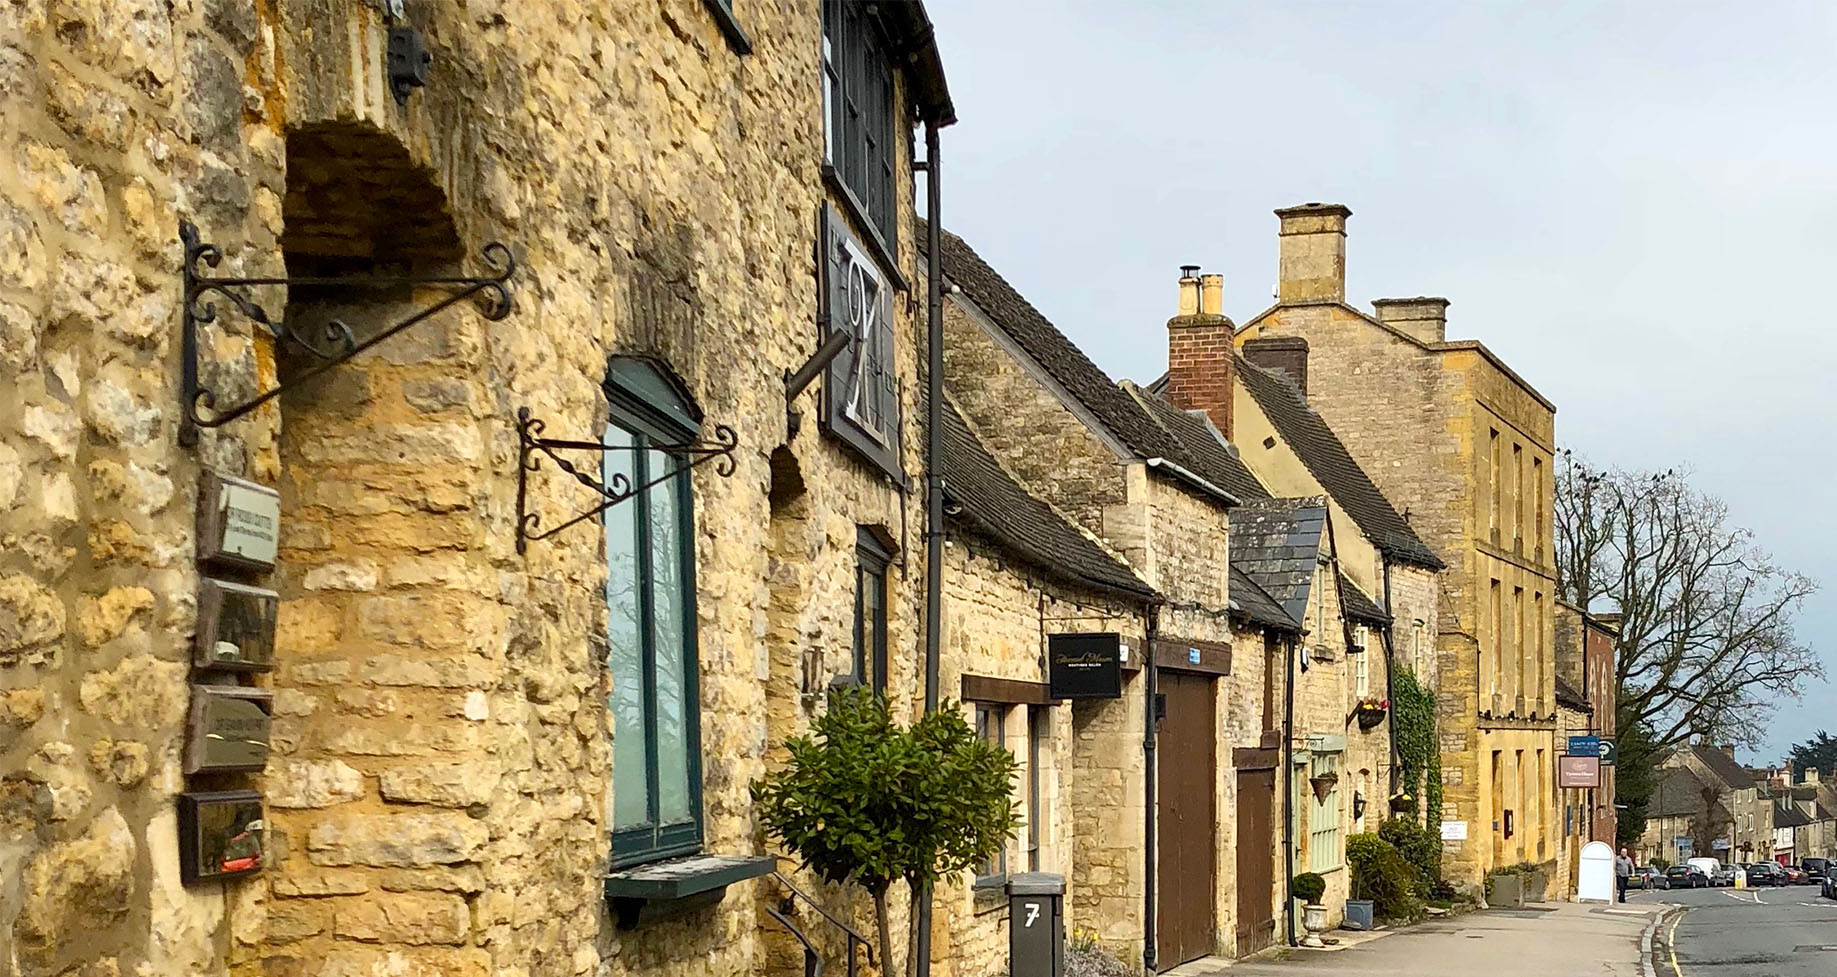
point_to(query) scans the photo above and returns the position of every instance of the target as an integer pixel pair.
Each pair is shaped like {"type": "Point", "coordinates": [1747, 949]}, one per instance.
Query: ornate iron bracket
{"type": "Point", "coordinates": [198, 403]}
{"type": "Point", "coordinates": [533, 446]}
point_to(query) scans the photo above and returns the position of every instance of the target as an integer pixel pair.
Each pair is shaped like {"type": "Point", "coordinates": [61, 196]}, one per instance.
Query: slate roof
{"type": "Point", "coordinates": [1358, 605]}
{"type": "Point", "coordinates": [1734, 775]}
{"type": "Point", "coordinates": [1256, 605]}
{"type": "Point", "coordinates": [1680, 792]}
{"type": "Point", "coordinates": [1327, 459]}
{"type": "Point", "coordinates": [993, 503]}
{"type": "Point", "coordinates": [1211, 455]}
{"type": "Point", "coordinates": [1121, 414]}
{"type": "Point", "coordinates": [1788, 816]}
{"type": "Point", "coordinates": [1276, 542]}
{"type": "Point", "coordinates": [1567, 695]}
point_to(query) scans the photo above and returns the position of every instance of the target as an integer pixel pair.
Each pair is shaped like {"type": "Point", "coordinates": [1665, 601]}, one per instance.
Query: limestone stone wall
{"type": "Point", "coordinates": [1048, 447]}
{"type": "Point", "coordinates": [440, 783]}
{"type": "Point", "coordinates": [1417, 417]}
{"type": "Point", "coordinates": [998, 614]}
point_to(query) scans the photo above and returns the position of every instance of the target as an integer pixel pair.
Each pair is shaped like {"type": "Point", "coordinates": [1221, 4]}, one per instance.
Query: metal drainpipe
{"type": "Point", "coordinates": [934, 480]}
{"type": "Point", "coordinates": [1288, 789]}
{"type": "Point", "coordinates": [1390, 683]}
{"type": "Point", "coordinates": [1148, 789]}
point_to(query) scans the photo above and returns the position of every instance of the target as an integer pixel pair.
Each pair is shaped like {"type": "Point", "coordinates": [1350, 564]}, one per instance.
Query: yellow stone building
{"type": "Point", "coordinates": [1463, 446]}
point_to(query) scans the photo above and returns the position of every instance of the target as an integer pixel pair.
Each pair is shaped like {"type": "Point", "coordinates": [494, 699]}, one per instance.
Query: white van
{"type": "Point", "coordinates": [1714, 870]}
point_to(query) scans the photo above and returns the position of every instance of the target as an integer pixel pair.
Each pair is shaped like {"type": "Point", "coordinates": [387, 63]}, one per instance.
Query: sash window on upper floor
{"type": "Point", "coordinates": [858, 114]}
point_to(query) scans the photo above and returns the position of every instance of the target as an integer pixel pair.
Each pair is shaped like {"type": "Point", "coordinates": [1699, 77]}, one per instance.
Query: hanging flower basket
{"type": "Point", "coordinates": [1371, 712]}
{"type": "Point", "coordinates": [1323, 785]}
{"type": "Point", "coordinates": [1401, 801]}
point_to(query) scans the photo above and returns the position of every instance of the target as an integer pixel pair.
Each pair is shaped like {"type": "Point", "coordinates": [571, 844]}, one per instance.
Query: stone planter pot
{"type": "Point", "coordinates": [1359, 915]}
{"type": "Point", "coordinates": [1505, 891]}
{"type": "Point", "coordinates": [1537, 886]}
{"type": "Point", "coordinates": [1314, 920]}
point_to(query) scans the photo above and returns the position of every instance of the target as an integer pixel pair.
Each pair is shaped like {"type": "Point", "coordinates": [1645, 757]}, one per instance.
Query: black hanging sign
{"type": "Point", "coordinates": [1085, 666]}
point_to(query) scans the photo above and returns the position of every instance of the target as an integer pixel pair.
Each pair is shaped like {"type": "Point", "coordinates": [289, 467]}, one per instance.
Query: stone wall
{"type": "Point", "coordinates": [440, 783]}
{"type": "Point", "coordinates": [1416, 416]}
{"type": "Point", "coordinates": [998, 613]}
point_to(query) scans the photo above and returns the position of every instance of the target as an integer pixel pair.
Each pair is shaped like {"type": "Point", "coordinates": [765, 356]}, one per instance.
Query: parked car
{"type": "Point", "coordinates": [1647, 877]}
{"type": "Point", "coordinates": [1686, 877]}
{"type": "Point", "coordinates": [1818, 869]}
{"type": "Point", "coordinates": [1795, 875]}
{"type": "Point", "coordinates": [1766, 873]}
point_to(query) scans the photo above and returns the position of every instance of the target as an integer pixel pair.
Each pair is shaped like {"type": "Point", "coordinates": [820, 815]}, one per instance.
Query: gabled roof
{"type": "Point", "coordinates": [1733, 775]}
{"type": "Point", "coordinates": [1358, 605]}
{"type": "Point", "coordinates": [1276, 542]}
{"type": "Point", "coordinates": [1788, 816]}
{"type": "Point", "coordinates": [1114, 408]}
{"type": "Point", "coordinates": [994, 504]}
{"type": "Point", "coordinates": [1327, 459]}
{"type": "Point", "coordinates": [1195, 432]}
{"type": "Point", "coordinates": [1679, 792]}
{"type": "Point", "coordinates": [1256, 605]}
{"type": "Point", "coordinates": [1568, 695]}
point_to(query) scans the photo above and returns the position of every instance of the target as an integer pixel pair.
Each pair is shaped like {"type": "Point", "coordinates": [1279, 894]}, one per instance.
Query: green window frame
{"type": "Point", "coordinates": [651, 630]}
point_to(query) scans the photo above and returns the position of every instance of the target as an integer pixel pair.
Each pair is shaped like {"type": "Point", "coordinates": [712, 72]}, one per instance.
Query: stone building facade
{"type": "Point", "coordinates": [1463, 446]}
{"type": "Point", "coordinates": [1155, 484]}
{"type": "Point", "coordinates": [1585, 665]}
{"type": "Point", "coordinates": [439, 794]}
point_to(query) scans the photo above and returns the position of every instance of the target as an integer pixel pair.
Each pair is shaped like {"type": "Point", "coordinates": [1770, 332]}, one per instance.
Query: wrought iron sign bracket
{"type": "Point", "coordinates": [198, 403]}
{"type": "Point", "coordinates": [533, 447]}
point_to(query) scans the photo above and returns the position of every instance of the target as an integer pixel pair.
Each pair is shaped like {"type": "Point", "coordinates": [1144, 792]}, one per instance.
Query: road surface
{"type": "Point", "coordinates": [1783, 932]}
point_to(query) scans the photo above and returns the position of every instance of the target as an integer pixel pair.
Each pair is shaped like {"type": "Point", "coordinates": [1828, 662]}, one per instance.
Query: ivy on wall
{"type": "Point", "coordinates": [1413, 719]}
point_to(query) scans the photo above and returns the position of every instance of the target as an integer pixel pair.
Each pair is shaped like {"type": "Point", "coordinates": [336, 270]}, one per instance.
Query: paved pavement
{"type": "Point", "coordinates": [1784, 932]}
{"type": "Point", "coordinates": [1549, 940]}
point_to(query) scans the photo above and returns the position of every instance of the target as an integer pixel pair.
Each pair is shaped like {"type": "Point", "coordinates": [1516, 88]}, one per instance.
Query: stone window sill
{"type": "Point", "coordinates": [674, 886]}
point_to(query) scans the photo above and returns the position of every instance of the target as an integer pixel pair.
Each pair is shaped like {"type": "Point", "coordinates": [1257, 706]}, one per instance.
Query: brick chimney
{"type": "Point", "coordinates": [1199, 349]}
{"type": "Point", "coordinates": [1313, 253]}
{"type": "Point", "coordinates": [1287, 355]}
{"type": "Point", "coordinates": [1424, 317]}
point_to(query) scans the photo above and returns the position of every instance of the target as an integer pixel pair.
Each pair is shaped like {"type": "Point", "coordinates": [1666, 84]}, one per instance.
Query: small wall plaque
{"type": "Point", "coordinates": [239, 523]}
{"type": "Point", "coordinates": [235, 626]}
{"type": "Point", "coordinates": [228, 729]}
{"type": "Point", "coordinates": [220, 834]}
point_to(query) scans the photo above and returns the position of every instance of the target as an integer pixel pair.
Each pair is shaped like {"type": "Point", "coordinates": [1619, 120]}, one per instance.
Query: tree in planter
{"type": "Point", "coordinates": [866, 801]}
{"type": "Point", "coordinates": [1309, 887]}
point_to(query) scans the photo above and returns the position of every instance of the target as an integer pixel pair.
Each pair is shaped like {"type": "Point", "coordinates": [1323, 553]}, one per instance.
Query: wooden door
{"type": "Point", "coordinates": [1256, 866]}
{"type": "Point", "coordinates": [1186, 784]}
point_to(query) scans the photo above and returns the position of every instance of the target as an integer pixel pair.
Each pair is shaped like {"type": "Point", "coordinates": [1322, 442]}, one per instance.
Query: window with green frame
{"type": "Point", "coordinates": [871, 559]}
{"type": "Point", "coordinates": [650, 597]}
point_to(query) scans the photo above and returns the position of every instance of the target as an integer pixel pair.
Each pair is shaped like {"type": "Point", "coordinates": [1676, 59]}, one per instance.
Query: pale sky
{"type": "Point", "coordinates": [1634, 204]}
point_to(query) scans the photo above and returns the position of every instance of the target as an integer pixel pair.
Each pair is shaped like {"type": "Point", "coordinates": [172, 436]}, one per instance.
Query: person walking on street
{"type": "Point", "coordinates": [1623, 873]}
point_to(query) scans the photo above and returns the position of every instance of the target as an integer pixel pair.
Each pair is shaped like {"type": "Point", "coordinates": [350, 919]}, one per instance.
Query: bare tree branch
{"type": "Point", "coordinates": [1706, 618]}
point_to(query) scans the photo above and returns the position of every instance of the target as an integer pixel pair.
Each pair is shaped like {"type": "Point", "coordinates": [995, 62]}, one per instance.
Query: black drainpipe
{"type": "Point", "coordinates": [1288, 789]}
{"type": "Point", "coordinates": [1390, 680]}
{"type": "Point", "coordinates": [934, 480]}
{"type": "Point", "coordinates": [1148, 790]}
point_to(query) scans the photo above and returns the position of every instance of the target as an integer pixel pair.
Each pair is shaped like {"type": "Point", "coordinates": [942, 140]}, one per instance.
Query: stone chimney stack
{"type": "Point", "coordinates": [1424, 317]}
{"type": "Point", "coordinates": [1313, 254]}
{"type": "Point", "coordinates": [1287, 355]}
{"type": "Point", "coordinates": [1199, 350]}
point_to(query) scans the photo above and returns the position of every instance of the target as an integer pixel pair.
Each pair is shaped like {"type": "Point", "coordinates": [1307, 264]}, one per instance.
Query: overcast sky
{"type": "Point", "coordinates": [1633, 203]}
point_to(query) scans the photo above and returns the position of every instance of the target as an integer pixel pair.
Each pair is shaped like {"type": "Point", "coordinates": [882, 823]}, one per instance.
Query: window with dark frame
{"type": "Point", "coordinates": [1039, 746]}
{"type": "Point", "coordinates": [871, 560]}
{"type": "Point", "coordinates": [858, 136]}
{"type": "Point", "coordinates": [990, 718]}
{"type": "Point", "coordinates": [651, 639]}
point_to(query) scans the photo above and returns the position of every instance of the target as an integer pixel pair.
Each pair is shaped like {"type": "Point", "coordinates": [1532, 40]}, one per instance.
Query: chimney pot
{"type": "Point", "coordinates": [1313, 253]}
{"type": "Point", "coordinates": [1212, 294]}
{"type": "Point", "coordinates": [1199, 349]}
{"type": "Point", "coordinates": [1425, 317]}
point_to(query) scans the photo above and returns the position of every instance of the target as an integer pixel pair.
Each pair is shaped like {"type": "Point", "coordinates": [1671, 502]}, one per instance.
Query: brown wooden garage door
{"type": "Point", "coordinates": [1186, 781]}
{"type": "Point", "coordinates": [1256, 867]}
